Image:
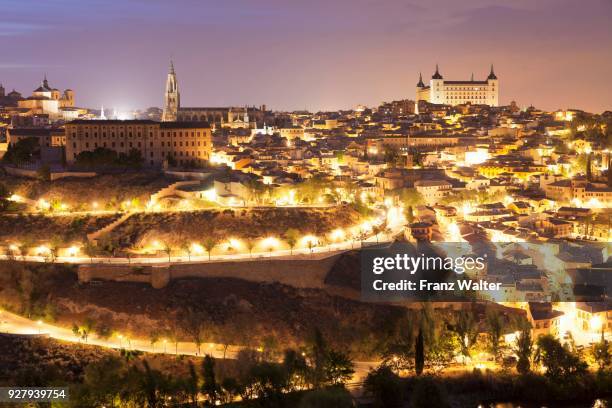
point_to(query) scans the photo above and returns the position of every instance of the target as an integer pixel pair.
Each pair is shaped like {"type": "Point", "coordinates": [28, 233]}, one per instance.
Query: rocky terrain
{"type": "Point", "coordinates": [107, 190]}
{"type": "Point", "coordinates": [40, 229]}
{"type": "Point", "coordinates": [144, 228]}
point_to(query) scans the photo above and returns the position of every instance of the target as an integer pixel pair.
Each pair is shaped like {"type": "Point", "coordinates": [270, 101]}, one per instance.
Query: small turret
{"type": "Point", "coordinates": [420, 84]}
{"type": "Point", "coordinates": [492, 75]}
{"type": "Point", "coordinates": [436, 75]}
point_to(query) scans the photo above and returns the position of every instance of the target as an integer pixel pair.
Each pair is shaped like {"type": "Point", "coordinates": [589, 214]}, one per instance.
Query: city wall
{"type": "Point", "coordinates": [15, 171]}
{"type": "Point", "coordinates": [305, 272]}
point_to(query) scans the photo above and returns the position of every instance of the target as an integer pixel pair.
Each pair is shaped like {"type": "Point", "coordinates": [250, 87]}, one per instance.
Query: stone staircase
{"type": "Point", "coordinates": [95, 236]}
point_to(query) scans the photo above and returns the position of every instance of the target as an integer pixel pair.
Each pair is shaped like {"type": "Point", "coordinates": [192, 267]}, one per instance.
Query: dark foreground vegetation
{"type": "Point", "coordinates": [316, 376]}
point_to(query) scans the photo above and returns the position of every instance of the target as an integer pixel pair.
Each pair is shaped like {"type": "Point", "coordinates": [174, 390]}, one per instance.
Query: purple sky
{"type": "Point", "coordinates": [314, 54]}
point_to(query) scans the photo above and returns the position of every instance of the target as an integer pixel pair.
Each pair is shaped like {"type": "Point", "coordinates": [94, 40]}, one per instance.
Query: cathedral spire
{"type": "Point", "coordinates": [172, 97]}
{"type": "Point", "coordinates": [472, 77]}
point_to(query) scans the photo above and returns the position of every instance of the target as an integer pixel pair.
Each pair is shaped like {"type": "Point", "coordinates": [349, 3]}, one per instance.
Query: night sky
{"type": "Point", "coordinates": [315, 54]}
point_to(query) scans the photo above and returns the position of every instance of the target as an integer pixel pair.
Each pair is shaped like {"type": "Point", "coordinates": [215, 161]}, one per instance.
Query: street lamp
{"type": "Point", "coordinates": [270, 243]}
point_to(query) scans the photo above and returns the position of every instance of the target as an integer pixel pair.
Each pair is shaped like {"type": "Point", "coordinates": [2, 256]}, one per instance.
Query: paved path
{"type": "Point", "coordinates": [15, 324]}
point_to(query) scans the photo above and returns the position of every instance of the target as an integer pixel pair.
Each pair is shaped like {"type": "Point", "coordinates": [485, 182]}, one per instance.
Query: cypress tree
{"type": "Point", "coordinates": [588, 167]}
{"type": "Point", "coordinates": [419, 353]}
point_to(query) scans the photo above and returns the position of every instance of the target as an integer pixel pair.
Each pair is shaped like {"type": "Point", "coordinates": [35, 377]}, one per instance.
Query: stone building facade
{"type": "Point", "coordinates": [157, 142]}
{"type": "Point", "coordinates": [440, 91]}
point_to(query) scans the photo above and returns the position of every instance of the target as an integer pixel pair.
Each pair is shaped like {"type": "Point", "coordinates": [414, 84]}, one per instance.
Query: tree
{"type": "Point", "coordinates": [82, 331]}
{"type": "Point", "coordinates": [385, 387]}
{"type": "Point", "coordinates": [22, 152]}
{"type": "Point", "coordinates": [442, 350]}
{"type": "Point", "coordinates": [194, 323]}
{"type": "Point", "coordinates": [191, 386]}
{"type": "Point", "coordinates": [102, 383]}
{"type": "Point", "coordinates": [428, 394]}
{"type": "Point", "coordinates": [524, 350]}
{"type": "Point", "coordinates": [44, 173]}
{"type": "Point", "coordinates": [410, 197]}
{"type": "Point", "coordinates": [230, 388]}
{"type": "Point", "coordinates": [419, 353]}
{"type": "Point", "coordinates": [560, 363]}
{"type": "Point", "coordinates": [495, 323]}
{"type": "Point", "coordinates": [338, 368]}
{"type": "Point", "coordinates": [602, 353]}
{"type": "Point", "coordinates": [318, 356]}
{"type": "Point", "coordinates": [331, 397]}
{"type": "Point", "coordinates": [24, 248]}
{"type": "Point", "coordinates": [409, 215]}
{"type": "Point", "coordinates": [167, 249]}
{"type": "Point", "coordinates": [391, 155]}
{"type": "Point", "coordinates": [209, 386]}
{"type": "Point", "coordinates": [87, 327]}
{"type": "Point", "coordinates": [466, 328]}
{"type": "Point", "coordinates": [267, 382]}
{"type": "Point", "coordinates": [153, 338]}
{"type": "Point", "coordinates": [54, 247]}
{"type": "Point", "coordinates": [589, 167]}
{"type": "Point", "coordinates": [398, 350]}
{"type": "Point", "coordinates": [90, 250]}
{"type": "Point", "coordinates": [186, 247]}
{"type": "Point", "coordinates": [296, 368]}
{"type": "Point", "coordinates": [291, 237]}
{"type": "Point", "coordinates": [250, 244]}
{"type": "Point", "coordinates": [172, 334]}
{"type": "Point", "coordinates": [209, 244]}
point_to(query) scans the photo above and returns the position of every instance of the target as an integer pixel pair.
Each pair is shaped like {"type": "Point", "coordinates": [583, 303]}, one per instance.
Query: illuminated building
{"type": "Point", "coordinates": [232, 117]}
{"type": "Point", "coordinates": [48, 100]}
{"type": "Point", "coordinates": [184, 142]}
{"type": "Point", "coordinates": [444, 92]}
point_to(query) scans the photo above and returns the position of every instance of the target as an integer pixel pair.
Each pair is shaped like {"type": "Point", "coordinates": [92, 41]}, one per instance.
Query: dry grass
{"type": "Point", "coordinates": [173, 228]}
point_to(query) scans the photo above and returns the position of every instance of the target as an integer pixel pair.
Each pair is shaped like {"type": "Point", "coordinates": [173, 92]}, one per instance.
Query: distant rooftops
{"type": "Point", "coordinates": [163, 125]}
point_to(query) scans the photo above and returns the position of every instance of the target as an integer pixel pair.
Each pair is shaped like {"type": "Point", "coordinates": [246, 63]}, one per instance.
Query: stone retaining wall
{"type": "Point", "coordinates": [302, 273]}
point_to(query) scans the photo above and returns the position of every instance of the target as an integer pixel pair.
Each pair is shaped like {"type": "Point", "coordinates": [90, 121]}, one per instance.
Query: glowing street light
{"type": "Point", "coordinates": [16, 198]}
{"type": "Point", "coordinates": [595, 323]}
{"type": "Point", "coordinates": [233, 244]}
{"type": "Point", "coordinates": [43, 205]}
{"type": "Point", "coordinates": [271, 243]}
{"type": "Point", "coordinates": [42, 250]}
{"type": "Point", "coordinates": [310, 241]}
{"type": "Point", "coordinates": [337, 235]}
{"type": "Point", "coordinates": [73, 251]}
{"type": "Point", "coordinates": [197, 248]}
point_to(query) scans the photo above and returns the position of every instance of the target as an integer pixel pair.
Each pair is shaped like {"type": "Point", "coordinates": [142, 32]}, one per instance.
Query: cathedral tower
{"type": "Point", "coordinates": [172, 97]}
